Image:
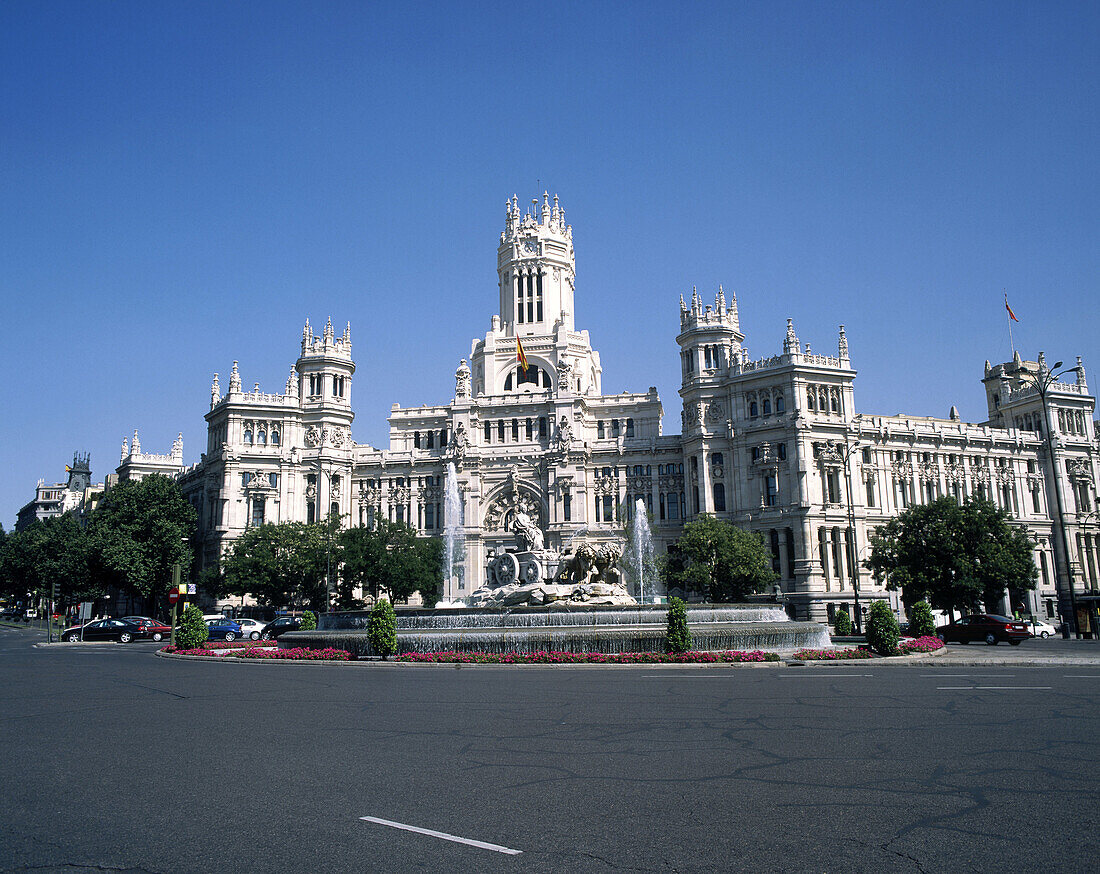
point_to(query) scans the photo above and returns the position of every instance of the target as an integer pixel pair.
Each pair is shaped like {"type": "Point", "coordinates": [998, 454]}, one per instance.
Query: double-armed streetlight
{"type": "Point", "coordinates": [1042, 381]}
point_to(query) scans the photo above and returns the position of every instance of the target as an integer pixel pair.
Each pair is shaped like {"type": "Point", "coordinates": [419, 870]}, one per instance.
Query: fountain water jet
{"type": "Point", "coordinates": [452, 522]}
{"type": "Point", "coordinates": [642, 547]}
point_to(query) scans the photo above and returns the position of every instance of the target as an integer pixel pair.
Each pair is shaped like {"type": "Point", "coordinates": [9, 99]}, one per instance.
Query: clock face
{"type": "Point", "coordinates": [531, 247]}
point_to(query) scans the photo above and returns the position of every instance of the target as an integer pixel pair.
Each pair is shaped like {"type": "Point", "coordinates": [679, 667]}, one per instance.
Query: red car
{"type": "Point", "coordinates": [984, 626]}
{"type": "Point", "coordinates": [151, 628]}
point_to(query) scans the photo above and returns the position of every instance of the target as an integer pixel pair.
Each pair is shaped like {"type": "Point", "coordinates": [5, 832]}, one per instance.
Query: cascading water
{"type": "Point", "coordinates": [452, 523]}
{"type": "Point", "coordinates": [642, 548]}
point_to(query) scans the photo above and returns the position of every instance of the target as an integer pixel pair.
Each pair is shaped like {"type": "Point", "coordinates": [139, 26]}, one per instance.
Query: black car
{"type": "Point", "coordinates": [103, 629]}
{"type": "Point", "coordinates": [984, 626]}
{"type": "Point", "coordinates": [280, 626]}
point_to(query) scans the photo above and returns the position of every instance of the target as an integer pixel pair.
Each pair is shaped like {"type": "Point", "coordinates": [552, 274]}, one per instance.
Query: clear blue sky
{"type": "Point", "coordinates": [182, 184]}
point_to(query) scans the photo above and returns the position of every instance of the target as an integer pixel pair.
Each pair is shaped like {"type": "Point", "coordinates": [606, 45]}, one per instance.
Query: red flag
{"type": "Point", "coordinates": [1011, 314]}
{"type": "Point", "coordinates": [520, 356]}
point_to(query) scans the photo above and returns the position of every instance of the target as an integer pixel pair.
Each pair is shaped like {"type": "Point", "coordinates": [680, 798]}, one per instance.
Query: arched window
{"type": "Point", "coordinates": [545, 379]}
{"type": "Point", "coordinates": [261, 438]}
{"type": "Point", "coordinates": [779, 405]}
{"type": "Point", "coordinates": [274, 438]}
{"type": "Point", "coordinates": [508, 382]}
{"type": "Point", "coordinates": [835, 404]}
{"type": "Point", "coordinates": [810, 400]}
{"type": "Point", "coordinates": [754, 410]}
{"type": "Point", "coordinates": [767, 407]}
{"type": "Point", "coordinates": [247, 435]}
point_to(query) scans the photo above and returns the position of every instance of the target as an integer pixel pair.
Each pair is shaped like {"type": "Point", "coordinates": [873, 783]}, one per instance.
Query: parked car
{"type": "Point", "coordinates": [279, 626]}
{"type": "Point", "coordinates": [12, 613]}
{"type": "Point", "coordinates": [223, 629]}
{"type": "Point", "coordinates": [984, 626]}
{"type": "Point", "coordinates": [1040, 627]}
{"type": "Point", "coordinates": [151, 628]}
{"type": "Point", "coordinates": [251, 628]}
{"type": "Point", "coordinates": [103, 629]}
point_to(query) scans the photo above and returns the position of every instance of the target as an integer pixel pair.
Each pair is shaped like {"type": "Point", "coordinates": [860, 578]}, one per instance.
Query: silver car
{"type": "Point", "coordinates": [251, 628]}
{"type": "Point", "coordinates": [1039, 628]}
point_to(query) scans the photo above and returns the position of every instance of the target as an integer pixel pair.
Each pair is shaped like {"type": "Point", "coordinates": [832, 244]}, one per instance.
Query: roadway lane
{"type": "Point", "coordinates": [118, 760]}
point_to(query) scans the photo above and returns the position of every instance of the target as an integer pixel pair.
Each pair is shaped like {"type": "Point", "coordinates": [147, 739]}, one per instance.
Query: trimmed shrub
{"type": "Point", "coordinates": [382, 629]}
{"type": "Point", "coordinates": [192, 630]}
{"type": "Point", "coordinates": [921, 623]}
{"type": "Point", "coordinates": [679, 636]}
{"type": "Point", "coordinates": [842, 625]}
{"type": "Point", "coordinates": [882, 629]}
{"type": "Point", "coordinates": [309, 621]}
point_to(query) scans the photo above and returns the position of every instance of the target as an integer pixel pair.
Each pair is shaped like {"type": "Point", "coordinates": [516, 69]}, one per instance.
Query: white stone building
{"type": "Point", "coordinates": [775, 445]}
{"type": "Point", "coordinates": [78, 494]}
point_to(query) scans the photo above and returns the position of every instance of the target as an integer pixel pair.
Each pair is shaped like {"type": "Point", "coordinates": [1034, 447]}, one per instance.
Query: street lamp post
{"type": "Point", "coordinates": [1042, 381]}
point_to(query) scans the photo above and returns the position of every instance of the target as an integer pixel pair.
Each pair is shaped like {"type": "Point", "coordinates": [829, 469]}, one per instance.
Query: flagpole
{"type": "Point", "coordinates": [1008, 318]}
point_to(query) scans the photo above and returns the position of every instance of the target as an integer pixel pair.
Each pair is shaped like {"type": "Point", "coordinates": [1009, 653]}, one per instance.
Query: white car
{"type": "Point", "coordinates": [251, 628]}
{"type": "Point", "coordinates": [1039, 628]}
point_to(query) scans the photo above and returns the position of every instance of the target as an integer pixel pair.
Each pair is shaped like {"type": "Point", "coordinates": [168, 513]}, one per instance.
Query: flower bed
{"type": "Point", "coordinates": [236, 644]}
{"type": "Point", "coordinates": [832, 655]}
{"type": "Point", "coordinates": [920, 644]}
{"type": "Point", "coordinates": [597, 658]}
{"type": "Point", "coordinates": [907, 646]}
{"type": "Point", "coordinates": [300, 653]}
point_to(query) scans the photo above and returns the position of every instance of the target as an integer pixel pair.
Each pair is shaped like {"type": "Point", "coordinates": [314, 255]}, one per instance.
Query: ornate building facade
{"type": "Point", "coordinates": [774, 445]}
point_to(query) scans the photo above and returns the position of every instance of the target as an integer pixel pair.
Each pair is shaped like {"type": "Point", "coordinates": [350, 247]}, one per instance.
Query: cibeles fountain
{"type": "Point", "coordinates": [576, 599]}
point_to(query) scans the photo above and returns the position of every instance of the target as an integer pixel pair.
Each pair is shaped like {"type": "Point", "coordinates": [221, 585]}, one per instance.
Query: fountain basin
{"type": "Point", "coordinates": [568, 629]}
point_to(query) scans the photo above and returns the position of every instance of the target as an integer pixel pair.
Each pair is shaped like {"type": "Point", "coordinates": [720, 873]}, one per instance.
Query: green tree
{"type": "Point", "coordinates": [49, 557]}
{"type": "Point", "coordinates": [280, 565]}
{"type": "Point", "coordinates": [192, 630]}
{"type": "Point", "coordinates": [720, 561]}
{"type": "Point", "coordinates": [678, 635]}
{"type": "Point", "coordinates": [842, 625]}
{"type": "Point", "coordinates": [139, 530]}
{"type": "Point", "coordinates": [921, 623]}
{"type": "Point", "coordinates": [390, 558]}
{"type": "Point", "coordinates": [953, 555]}
{"type": "Point", "coordinates": [382, 629]}
{"type": "Point", "coordinates": [882, 629]}
{"type": "Point", "coordinates": [309, 621]}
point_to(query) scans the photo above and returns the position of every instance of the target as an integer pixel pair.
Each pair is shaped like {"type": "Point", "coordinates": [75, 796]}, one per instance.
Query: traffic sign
{"type": "Point", "coordinates": [173, 597]}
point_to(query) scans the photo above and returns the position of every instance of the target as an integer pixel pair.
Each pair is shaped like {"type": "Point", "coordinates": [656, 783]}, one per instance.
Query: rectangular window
{"type": "Point", "coordinates": [567, 507]}
{"type": "Point", "coordinates": [608, 508]}
{"type": "Point", "coordinates": [258, 512]}
{"type": "Point", "coordinates": [528, 430]}
{"type": "Point", "coordinates": [542, 427]}
{"type": "Point", "coordinates": [1035, 501]}
{"type": "Point", "coordinates": [429, 516]}
{"type": "Point", "coordinates": [599, 430]}
{"type": "Point", "coordinates": [488, 432]}
{"type": "Point", "coordinates": [500, 431]}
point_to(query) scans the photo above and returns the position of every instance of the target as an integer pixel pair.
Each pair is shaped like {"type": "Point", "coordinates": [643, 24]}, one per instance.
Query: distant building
{"type": "Point", "coordinates": [774, 445]}
{"type": "Point", "coordinates": [76, 495]}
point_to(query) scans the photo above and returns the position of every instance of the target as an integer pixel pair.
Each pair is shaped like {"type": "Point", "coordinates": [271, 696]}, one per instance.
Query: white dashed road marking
{"type": "Point", "coordinates": [497, 848]}
{"type": "Point", "coordinates": [994, 688]}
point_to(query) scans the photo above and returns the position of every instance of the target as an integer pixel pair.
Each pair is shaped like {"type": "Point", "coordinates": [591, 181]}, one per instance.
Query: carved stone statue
{"type": "Point", "coordinates": [527, 533]}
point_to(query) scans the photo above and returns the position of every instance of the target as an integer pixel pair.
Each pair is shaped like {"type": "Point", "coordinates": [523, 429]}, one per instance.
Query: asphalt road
{"type": "Point", "coordinates": [116, 760]}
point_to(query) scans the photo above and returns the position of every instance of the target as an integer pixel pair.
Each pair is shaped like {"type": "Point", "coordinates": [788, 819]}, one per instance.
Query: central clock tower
{"type": "Point", "coordinates": [536, 269]}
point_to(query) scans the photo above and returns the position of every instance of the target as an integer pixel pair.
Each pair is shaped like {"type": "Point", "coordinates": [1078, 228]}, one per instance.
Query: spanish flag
{"type": "Point", "coordinates": [520, 356]}
{"type": "Point", "coordinates": [1011, 314]}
